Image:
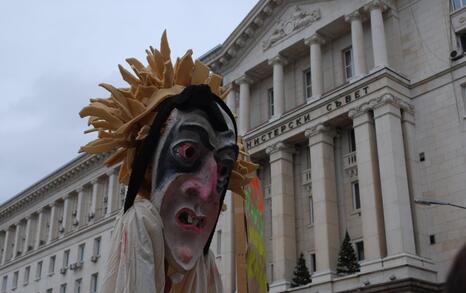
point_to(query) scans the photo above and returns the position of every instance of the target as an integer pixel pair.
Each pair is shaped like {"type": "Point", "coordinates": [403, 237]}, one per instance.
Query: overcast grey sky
{"type": "Point", "coordinates": [54, 53]}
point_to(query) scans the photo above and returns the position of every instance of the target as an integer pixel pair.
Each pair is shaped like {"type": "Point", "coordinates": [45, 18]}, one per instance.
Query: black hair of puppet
{"type": "Point", "coordinates": [192, 97]}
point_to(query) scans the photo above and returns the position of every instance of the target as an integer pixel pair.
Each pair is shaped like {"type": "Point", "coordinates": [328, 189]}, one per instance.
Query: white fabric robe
{"type": "Point", "coordinates": [136, 261]}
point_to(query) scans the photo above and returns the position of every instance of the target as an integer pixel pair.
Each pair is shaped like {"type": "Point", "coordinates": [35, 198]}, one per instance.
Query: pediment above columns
{"type": "Point", "coordinates": [274, 27]}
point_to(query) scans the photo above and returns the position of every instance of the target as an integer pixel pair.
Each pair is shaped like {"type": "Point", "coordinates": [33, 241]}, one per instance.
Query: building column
{"type": "Point", "coordinates": [53, 221]}
{"type": "Point", "coordinates": [244, 103]}
{"type": "Point", "coordinates": [394, 183]}
{"type": "Point", "coordinates": [315, 42]}
{"type": "Point", "coordinates": [111, 191]}
{"type": "Point", "coordinates": [79, 206]}
{"type": "Point", "coordinates": [40, 227]}
{"type": "Point", "coordinates": [28, 234]}
{"type": "Point", "coordinates": [357, 41]}
{"type": "Point", "coordinates": [6, 244]}
{"type": "Point", "coordinates": [95, 189]}
{"type": "Point", "coordinates": [66, 214]}
{"type": "Point", "coordinates": [231, 99]}
{"type": "Point", "coordinates": [324, 195]}
{"type": "Point", "coordinates": [16, 245]}
{"type": "Point", "coordinates": [379, 45]}
{"type": "Point", "coordinates": [408, 125]}
{"type": "Point", "coordinates": [369, 184]}
{"type": "Point", "coordinates": [283, 215]}
{"type": "Point", "coordinates": [278, 63]}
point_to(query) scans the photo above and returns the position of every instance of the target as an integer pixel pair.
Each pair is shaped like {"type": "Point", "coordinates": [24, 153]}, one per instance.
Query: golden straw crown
{"type": "Point", "coordinates": [124, 119]}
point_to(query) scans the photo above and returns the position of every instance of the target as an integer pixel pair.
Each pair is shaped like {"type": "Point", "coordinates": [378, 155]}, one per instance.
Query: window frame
{"type": "Point", "coordinates": [351, 141]}
{"type": "Point", "coordinates": [77, 285]}
{"type": "Point", "coordinates": [462, 4]}
{"type": "Point", "coordinates": [97, 246]}
{"type": "Point", "coordinates": [94, 283]}
{"type": "Point", "coordinates": [311, 210]}
{"type": "Point", "coordinates": [270, 102]}
{"type": "Point", "coordinates": [14, 283]}
{"type": "Point", "coordinates": [307, 84]}
{"type": "Point", "coordinates": [66, 258]}
{"type": "Point", "coordinates": [312, 262]}
{"type": "Point", "coordinates": [359, 244]}
{"type": "Point", "coordinates": [350, 65]}
{"type": "Point", "coordinates": [26, 275]}
{"type": "Point", "coordinates": [356, 196]}
{"type": "Point", "coordinates": [4, 283]}
{"type": "Point", "coordinates": [63, 288]}
{"type": "Point", "coordinates": [52, 263]}
{"type": "Point", "coordinates": [39, 270]}
{"type": "Point", "coordinates": [81, 252]}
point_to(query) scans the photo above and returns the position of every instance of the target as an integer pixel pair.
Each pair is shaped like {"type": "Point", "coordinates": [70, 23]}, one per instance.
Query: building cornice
{"type": "Point", "coordinates": [51, 182]}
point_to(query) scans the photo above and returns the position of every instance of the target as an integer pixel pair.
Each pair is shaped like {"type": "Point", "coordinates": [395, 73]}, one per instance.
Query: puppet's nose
{"type": "Point", "coordinates": [204, 183]}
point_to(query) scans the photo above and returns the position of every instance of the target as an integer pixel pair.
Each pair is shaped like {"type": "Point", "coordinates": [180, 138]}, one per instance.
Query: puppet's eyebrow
{"type": "Point", "coordinates": [204, 133]}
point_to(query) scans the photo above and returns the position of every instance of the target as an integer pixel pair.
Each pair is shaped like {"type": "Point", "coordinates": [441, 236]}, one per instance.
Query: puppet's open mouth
{"type": "Point", "coordinates": [188, 220]}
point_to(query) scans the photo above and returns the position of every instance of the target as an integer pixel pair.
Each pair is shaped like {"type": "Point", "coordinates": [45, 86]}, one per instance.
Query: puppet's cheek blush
{"type": "Point", "coordinates": [185, 253]}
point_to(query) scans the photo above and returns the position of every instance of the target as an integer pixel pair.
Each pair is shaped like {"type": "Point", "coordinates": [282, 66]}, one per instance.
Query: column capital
{"type": "Point", "coordinates": [66, 196]}
{"type": "Point", "coordinates": [320, 129]}
{"type": "Point", "coordinates": [244, 80]}
{"type": "Point", "coordinates": [315, 39]}
{"type": "Point", "coordinates": [358, 111]}
{"type": "Point", "coordinates": [28, 217]}
{"type": "Point", "coordinates": [95, 181]}
{"type": "Point", "coordinates": [376, 4]}
{"type": "Point", "coordinates": [279, 146]}
{"type": "Point", "coordinates": [80, 189]}
{"type": "Point", "coordinates": [353, 16]}
{"type": "Point", "coordinates": [279, 59]}
{"type": "Point", "coordinates": [112, 171]}
{"type": "Point", "coordinates": [52, 204]}
{"type": "Point", "coordinates": [40, 210]}
{"type": "Point", "coordinates": [389, 99]}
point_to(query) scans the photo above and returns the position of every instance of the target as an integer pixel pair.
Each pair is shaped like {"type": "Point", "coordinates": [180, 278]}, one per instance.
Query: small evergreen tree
{"type": "Point", "coordinates": [347, 261]}
{"type": "Point", "coordinates": [301, 273]}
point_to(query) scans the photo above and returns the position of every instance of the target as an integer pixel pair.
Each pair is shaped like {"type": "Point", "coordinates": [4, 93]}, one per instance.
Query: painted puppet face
{"type": "Point", "coordinates": [191, 168]}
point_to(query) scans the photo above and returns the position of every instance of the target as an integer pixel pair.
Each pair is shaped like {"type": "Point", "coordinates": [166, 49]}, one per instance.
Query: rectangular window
{"type": "Point", "coordinates": [307, 83]}
{"type": "Point", "coordinates": [66, 258]}
{"type": "Point", "coordinates": [4, 283]}
{"type": "Point", "coordinates": [356, 196]}
{"type": "Point", "coordinates": [63, 288]}
{"type": "Point", "coordinates": [313, 263]}
{"type": "Point", "coordinates": [81, 252]}
{"type": "Point", "coordinates": [97, 246]}
{"type": "Point", "coordinates": [351, 141]}
{"type": "Point", "coordinates": [311, 210]}
{"type": "Point", "coordinates": [219, 242]}
{"type": "Point", "coordinates": [360, 250]}
{"type": "Point", "coordinates": [94, 280]}
{"type": "Point", "coordinates": [77, 286]}
{"type": "Point", "coordinates": [39, 270]}
{"type": "Point", "coordinates": [27, 272]}
{"type": "Point", "coordinates": [348, 63]}
{"type": "Point", "coordinates": [270, 102]}
{"type": "Point", "coordinates": [52, 265]}
{"type": "Point", "coordinates": [457, 4]}
{"type": "Point", "coordinates": [15, 280]}
{"type": "Point", "coordinates": [49, 290]}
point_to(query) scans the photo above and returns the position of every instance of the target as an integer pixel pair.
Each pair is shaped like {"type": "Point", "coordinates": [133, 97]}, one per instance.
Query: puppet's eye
{"type": "Point", "coordinates": [186, 152]}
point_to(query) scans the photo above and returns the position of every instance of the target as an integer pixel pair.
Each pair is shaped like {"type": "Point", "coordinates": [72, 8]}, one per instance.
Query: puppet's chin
{"type": "Point", "coordinates": [180, 257]}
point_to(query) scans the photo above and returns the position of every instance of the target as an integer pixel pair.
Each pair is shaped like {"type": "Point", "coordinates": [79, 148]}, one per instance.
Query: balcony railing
{"type": "Point", "coordinates": [306, 176]}
{"type": "Point", "coordinates": [349, 160]}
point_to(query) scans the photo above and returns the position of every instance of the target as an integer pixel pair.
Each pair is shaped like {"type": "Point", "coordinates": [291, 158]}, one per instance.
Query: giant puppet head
{"type": "Point", "coordinates": [177, 144]}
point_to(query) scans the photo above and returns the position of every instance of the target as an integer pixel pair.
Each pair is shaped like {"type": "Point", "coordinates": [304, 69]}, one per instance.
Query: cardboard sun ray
{"type": "Point", "coordinates": [124, 119]}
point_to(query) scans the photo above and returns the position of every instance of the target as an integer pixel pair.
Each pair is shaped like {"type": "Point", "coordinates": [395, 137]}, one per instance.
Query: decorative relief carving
{"type": "Point", "coordinates": [296, 22]}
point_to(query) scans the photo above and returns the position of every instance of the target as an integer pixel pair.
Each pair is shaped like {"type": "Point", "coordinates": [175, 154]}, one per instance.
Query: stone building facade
{"type": "Point", "coordinates": [352, 109]}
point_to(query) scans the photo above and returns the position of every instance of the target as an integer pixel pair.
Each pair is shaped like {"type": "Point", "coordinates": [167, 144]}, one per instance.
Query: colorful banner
{"type": "Point", "coordinates": [255, 257]}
